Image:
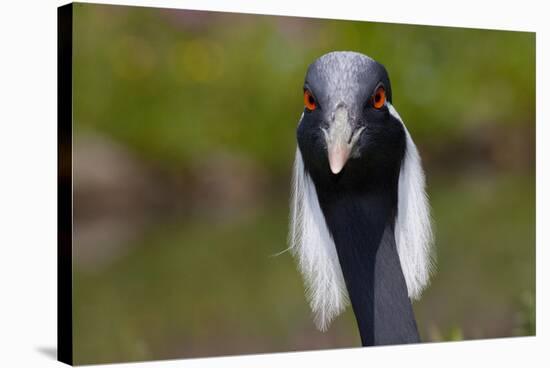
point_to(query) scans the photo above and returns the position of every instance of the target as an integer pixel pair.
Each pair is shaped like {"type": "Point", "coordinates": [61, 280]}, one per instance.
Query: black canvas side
{"type": "Point", "coordinates": [64, 184]}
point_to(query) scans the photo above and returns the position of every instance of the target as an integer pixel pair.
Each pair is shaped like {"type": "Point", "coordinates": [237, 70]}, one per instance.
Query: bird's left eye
{"type": "Point", "coordinates": [309, 101]}
{"type": "Point", "coordinates": [379, 98]}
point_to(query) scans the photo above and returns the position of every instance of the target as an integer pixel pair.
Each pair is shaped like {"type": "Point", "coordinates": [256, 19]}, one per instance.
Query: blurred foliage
{"type": "Point", "coordinates": [175, 86]}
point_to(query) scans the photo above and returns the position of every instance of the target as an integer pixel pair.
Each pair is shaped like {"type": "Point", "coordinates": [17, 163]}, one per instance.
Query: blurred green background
{"type": "Point", "coordinates": [184, 136]}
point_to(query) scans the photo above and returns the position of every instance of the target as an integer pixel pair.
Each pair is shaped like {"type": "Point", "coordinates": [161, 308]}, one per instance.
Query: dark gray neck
{"type": "Point", "coordinates": [362, 225]}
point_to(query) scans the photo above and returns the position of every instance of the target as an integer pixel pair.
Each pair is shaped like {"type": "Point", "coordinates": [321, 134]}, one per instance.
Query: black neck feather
{"type": "Point", "coordinates": [360, 214]}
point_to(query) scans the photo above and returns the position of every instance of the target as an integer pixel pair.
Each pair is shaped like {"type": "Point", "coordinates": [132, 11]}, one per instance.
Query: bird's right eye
{"type": "Point", "coordinates": [379, 97]}
{"type": "Point", "coordinates": [309, 101]}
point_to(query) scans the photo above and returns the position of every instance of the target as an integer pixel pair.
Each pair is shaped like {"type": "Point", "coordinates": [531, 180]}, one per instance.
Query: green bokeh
{"type": "Point", "coordinates": [172, 91]}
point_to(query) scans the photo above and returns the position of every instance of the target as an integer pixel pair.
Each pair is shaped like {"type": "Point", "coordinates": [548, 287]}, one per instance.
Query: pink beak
{"type": "Point", "coordinates": [338, 155]}
{"type": "Point", "coordinates": [340, 138]}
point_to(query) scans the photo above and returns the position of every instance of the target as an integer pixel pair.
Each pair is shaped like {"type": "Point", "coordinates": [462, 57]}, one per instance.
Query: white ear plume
{"type": "Point", "coordinates": [313, 247]}
{"type": "Point", "coordinates": [413, 230]}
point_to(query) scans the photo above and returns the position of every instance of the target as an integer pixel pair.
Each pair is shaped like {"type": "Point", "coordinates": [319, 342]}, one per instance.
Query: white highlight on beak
{"type": "Point", "coordinates": [337, 157]}
{"type": "Point", "coordinates": [340, 140]}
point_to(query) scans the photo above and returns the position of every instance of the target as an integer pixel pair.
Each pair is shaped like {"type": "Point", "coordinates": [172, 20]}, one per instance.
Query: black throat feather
{"type": "Point", "coordinates": [360, 206]}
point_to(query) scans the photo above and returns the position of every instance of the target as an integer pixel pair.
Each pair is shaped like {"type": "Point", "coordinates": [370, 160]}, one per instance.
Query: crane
{"type": "Point", "coordinates": [360, 224]}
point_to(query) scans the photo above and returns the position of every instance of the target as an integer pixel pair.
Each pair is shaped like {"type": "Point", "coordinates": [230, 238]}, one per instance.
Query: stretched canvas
{"type": "Point", "coordinates": [235, 184]}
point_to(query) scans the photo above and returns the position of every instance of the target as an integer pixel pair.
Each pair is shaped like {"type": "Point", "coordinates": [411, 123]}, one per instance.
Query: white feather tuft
{"type": "Point", "coordinates": [313, 246]}
{"type": "Point", "coordinates": [413, 228]}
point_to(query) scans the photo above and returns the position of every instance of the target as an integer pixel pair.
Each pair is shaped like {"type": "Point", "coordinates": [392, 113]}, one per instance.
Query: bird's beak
{"type": "Point", "coordinates": [340, 138]}
{"type": "Point", "coordinates": [337, 157]}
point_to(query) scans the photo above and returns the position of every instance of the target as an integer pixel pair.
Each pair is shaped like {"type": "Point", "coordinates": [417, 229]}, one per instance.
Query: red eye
{"type": "Point", "coordinates": [309, 101]}
{"type": "Point", "coordinates": [379, 98]}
